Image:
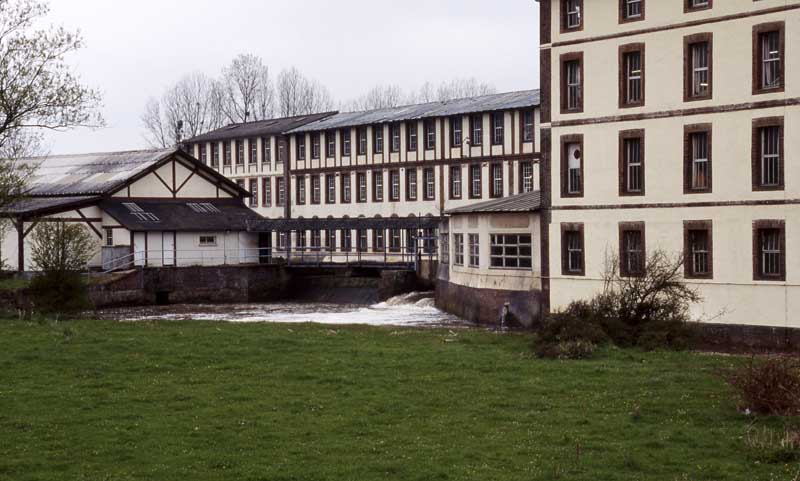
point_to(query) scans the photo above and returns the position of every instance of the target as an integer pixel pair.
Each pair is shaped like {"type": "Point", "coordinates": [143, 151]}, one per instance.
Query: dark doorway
{"type": "Point", "coordinates": [264, 247]}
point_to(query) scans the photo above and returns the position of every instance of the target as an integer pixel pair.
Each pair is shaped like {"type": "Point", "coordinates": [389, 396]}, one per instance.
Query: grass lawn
{"type": "Point", "coordinates": [13, 284]}
{"type": "Point", "coordinates": [208, 401]}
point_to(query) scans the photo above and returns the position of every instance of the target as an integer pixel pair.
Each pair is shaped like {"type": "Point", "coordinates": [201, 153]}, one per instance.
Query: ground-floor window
{"type": "Point", "coordinates": [444, 248]}
{"type": "Point", "coordinates": [362, 240]}
{"type": "Point", "coordinates": [513, 251]}
{"type": "Point", "coordinates": [572, 250]}
{"type": "Point", "coordinates": [769, 250]}
{"type": "Point", "coordinates": [632, 249]}
{"type": "Point", "coordinates": [208, 241]}
{"type": "Point", "coordinates": [395, 240]}
{"type": "Point", "coordinates": [458, 248]}
{"type": "Point", "coordinates": [474, 250]}
{"type": "Point", "coordinates": [331, 240]}
{"type": "Point", "coordinates": [347, 240]}
{"type": "Point", "coordinates": [316, 239]}
{"type": "Point", "coordinates": [698, 247]}
{"type": "Point", "coordinates": [378, 240]}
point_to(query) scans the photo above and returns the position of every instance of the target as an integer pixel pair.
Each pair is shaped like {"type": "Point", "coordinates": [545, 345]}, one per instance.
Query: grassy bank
{"type": "Point", "coordinates": [205, 401]}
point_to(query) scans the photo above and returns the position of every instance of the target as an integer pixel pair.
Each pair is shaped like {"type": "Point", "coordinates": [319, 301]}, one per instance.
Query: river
{"type": "Point", "coordinates": [412, 310]}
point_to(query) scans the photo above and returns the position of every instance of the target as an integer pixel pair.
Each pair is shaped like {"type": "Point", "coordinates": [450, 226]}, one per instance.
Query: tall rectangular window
{"type": "Point", "coordinates": [697, 158]}
{"type": "Point", "coordinates": [430, 134]}
{"type": "Point", "coordinates": [631, 162]}
{"type": "Point", "coordinates": [572, 250]}
{"type": "Point", "coordinates": [411, 133]}
{"type": "Point", "coordinates": [347, 240]}
{"type": "Point", "coordinates": [571, 15]}
{"type": "Point", "coordinates": [203, 154]}
{"type": "Point", "coordinates": [455, 182]}
{"type": "Point", "coordinates": [253, 192]}
{"type": "Point", "coordinates": [395, 240]}
{"type": "Point", "coordinates": [361, 179]}
{"type": "Point", "coordinates": [377, 139]}
{"type": "Point", "coordinates": [253, 143]}
{"type": "Point", "coordinates": [474, 250]}
{"type": "Point", "coordinates": [444, 248]}
{"type": "Point", "coordinates": [769, 250]}
{"type": "Point", "coordinates": [572, 82]}
{"type": "Point", "coordinates": [698, 249]}
{"type": "Point", "coordinates": [315, 145]}
{"type": "Point", "coordinates": [346, 142]}
{"type": "Point", "coordinates": [266, 194]}
{"type": "Point", "coordinates": [526, 177]}
{"type": "Point", "coordinates": [377, 186]}
{"type": "Point", "coordinates": [281, 194]}
{"type": "Point", "coordinates": [527, 126]}
{"type": "Point", "coordinates": [394, 182]}
{"type": "Point", "coordinates": [632, 255]}
{"type": "Point", "coordinates": [346, 180]}
{"type": "Point", "coordinates": [330, 140]}
{"type": "Point", "coordinates": [316, 189]}
{"type": "Point", "coordinates": [511, 251]}
{"type": "Point", "coordinates": [214, 154]}
{"type": "Point", "coordinates": [631, 10]}
{"type": "Point", "coordinates": [330, 240]}
{"type": "Point", "coordinates": [239, 152]}
{"type": "Point", "coordinates": [768, 154]}
{"type": "Point", "coordinates": [572, 165]}
{"type": "Point", "coordinates": [698, 69]}
{"type": "Point", "coordinates": [362, 245]}
{"type": "Point", "coordinates": [411, 184]}
{"type": "Point", "coordinates": [631, 68]}
{"type": "Point", "coordinates": [266, 146]}
{"type": "Point", "coordinates": [458, 249]}
{"type": "Point", "coordinates": [476, 129]}
{"type": "Point", "coordinates": [497, 180]}
{"type": "Point", "coordinates": [456, 133]}
{"type": "Point", "coordinates": [301, 189]}
{"type": "Point", "coordinates": [281, 151]}
{"type": "Point", "coordinates": [379, 240]}
{"type": "Point", "coordinates": [394, 132]}
{"type": "Point", "coordinates": [475, 181]}
{"type": "Point", "coordinates": [330, 189]}
{"type": "Point", "coordinates": [362, 141]}
{"type": "Point", "coordinates": [316, 240]}
{"type": "Point", "coordinates": [498, 128]}
{"type": "Point", "coordinates": [430, 183]}
{"type": "Point", "coordinates": [301, 147]}
{"type": "Point", "coordinates": [227, 158]}
{"type": "Point", "coordinates": [769, 53]}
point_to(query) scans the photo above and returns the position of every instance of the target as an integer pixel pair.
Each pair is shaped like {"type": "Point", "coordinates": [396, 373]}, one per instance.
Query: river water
{"type": "Point", "coordinates": [413, 310]}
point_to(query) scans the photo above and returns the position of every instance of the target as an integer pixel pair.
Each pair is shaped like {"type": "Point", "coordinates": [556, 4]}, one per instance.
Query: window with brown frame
{"type": "Point", "coordinates": [631, 162]}
{"type": "Point", "coordinates": [411, 134]}
{"type": "Point", "coordinates": [361, 181]}
{"type": "Point", "coordinates": [239, 152]}
{"type": "Point", "coordinates": [476, 129]}
{"type": "Point", "coordinates": [455, 182]}
{"type": "Point", "coordinates": [346, 142]}
{"type": "Point", "coordinates": [430, 134]}
{"type": "Point", "coordinates": [362, 141]}
{"type": "Point", "coordinates": [347, 192]}
{"type": "Point", "coordinates": [377, 186]}
{"type": "Point", "coordinates": [280, 193]}
{"type": "Point", "coordinates": [571, 15]}
{"type": "Point", "coordinates": [214, 155]}
{"type": "Point", "coordinates": [572, 82]}
{"type": "Point", "coordinates": [394, 185]}
{"type": "Point", "coordinates": [572, 165]}
{"type": "Point", "coordinates": [253, 143]}
{"type": "Point", "coordinates": [227, 156]}
{"type": "Point", "coordinates": [330, 189]}
{"type": "Point", "coordinates": [315, 145]}
{"type": "Point", "coordinates": [498, 128]}
{"type": "Point", "coordinates": [573, 262]}
{"type": "Point", "coordinates": [769, 54]}
{"type": "Point", "coordinates": [301, 189]}
{"type": "Point", "coordinates": [698, 248]}
{"type": "Point", "coordinates": [456, 131]}
{"type": "Point", "coordinates": [266, 146]}
{"type": "Point", "coordinates": [698, 50]}
{"type": "Point", "coordinates": [496, 184]}
{"type": "Point", "coordinates": [769, 250]}
{"type": "Point", "coordinates": [475, 181]}
{"type": "Point", "coordinates": [281, 150]}
{"type": "Point", "coordinates": [203, 154]}
{"type": "Point", "coordinates": [526, 182]}
{"type": "Point", "coordinates": [632, 249]}
{"type": "Point", "coordinates": [429, 177]}
{"type": "Point", "coordinates": [527, 126]}
{"type": "Point", "coordinates": [301, 147]}
{"type": "Point", "coordinates": [394, 133]}
{"type": "Point", "coordinates": [411, 184]}
{"type": "Point", "coordinates": [253, 192]}
{"type": "Point", "coordinates": [377, 139]}
{"type": "Point", "coordinates": [768, 154]}
{"type": "Point", "coordinates": [697, 5]}
{"type": "Point", "coordinates": [316, 189]}
{"type": "Point", "coordinates": [266, 192]}
{"type": "Point", "coordinates": [631, 75]}
{"type": "Point", "coordinates": [697, 159]}
{"type": "Point", "coordinates": [330, 141]}
{"type": "Point", "coordinates": [631, 10]}
{"type": "Point", "coordinates": [378, 240]}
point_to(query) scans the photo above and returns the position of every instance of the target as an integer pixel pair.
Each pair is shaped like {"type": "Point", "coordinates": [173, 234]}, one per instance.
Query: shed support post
{"type": "Point", "coordinates": [20, 245]}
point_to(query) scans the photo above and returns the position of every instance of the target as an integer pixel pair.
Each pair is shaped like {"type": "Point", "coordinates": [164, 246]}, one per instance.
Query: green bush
{"type": "Point", "coordinates": [59, 292]}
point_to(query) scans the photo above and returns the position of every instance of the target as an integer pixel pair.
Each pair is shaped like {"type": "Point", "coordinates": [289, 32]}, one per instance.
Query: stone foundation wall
{"type": "Point", "coordinates": [486, 306]}
{"type": "Point", "coordinates": [748, 339]}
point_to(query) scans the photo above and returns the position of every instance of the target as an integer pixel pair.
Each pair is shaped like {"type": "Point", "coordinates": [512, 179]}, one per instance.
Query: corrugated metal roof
{"type": "Point", "coordinates": [485, 103]}
{"type": "Point", "coordinates": [528, 202]}
{"type": "Point", "coordinates": [46, 204]}
{"type": "Point", "coordinates": [353, 223]}
{"type": "Point", "coordinates": [181, 215]}
{"type": "Point", "coordinates": [89, 174]}
{"type": "Point", "coordinates": [258, 128]}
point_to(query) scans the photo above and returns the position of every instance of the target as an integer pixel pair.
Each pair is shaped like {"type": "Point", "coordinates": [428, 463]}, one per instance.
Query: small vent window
{"type": "Point", "coordinates": [203, 208]}
{"type": "Point", "coordinates": [139, 213]}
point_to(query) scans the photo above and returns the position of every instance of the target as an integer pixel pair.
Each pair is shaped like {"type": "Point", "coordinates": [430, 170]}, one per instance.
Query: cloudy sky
{"type": "Point", "coordinates": [135, 50]}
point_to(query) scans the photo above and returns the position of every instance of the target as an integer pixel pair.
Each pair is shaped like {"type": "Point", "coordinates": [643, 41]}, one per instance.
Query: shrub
{"type": "Point", "coordinates": [775, 447]}
{"type": "Point", "coordinates": [59, 292]}
{"type": "Point", "coordinates": [769, 386]}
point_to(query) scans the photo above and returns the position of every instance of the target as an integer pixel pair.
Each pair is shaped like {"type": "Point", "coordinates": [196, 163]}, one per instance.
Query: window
{"type": "Point", "coordinates": [361, 179]}
{"type": "Point", "coordinates": [697, 158]}
{"type": "Point", "coordinates": [330, 240]}
{"type": "Point", "coordinates": [411, 184]}
{"type": "Point", "coordinates": [315, 146]}
{"type": "Point", "coordinates": [631, 162]}
{"type": "Point", "coordinates": [430, 134]}
{"type": "Point", "coordinates": [377, 132]}
{"type": "Point", "coordinates": [527, 126]}
{"type": "Point", "coordinates": [362, 141]}
{"type": "Point", "coordinates": [347, 240]}
{"type": "Point", "coordinates": [208, 241]}
{"type": "Point", "coordinates": [475, 181]}
{"type": "Point", "coordinates": [362, 244]}
{"type": "Point", "coordinates": [394, 133]}
{"type": "Point", "coordinates": [497, 181]}
{"type": "Point", "coordinates": [109, 237]}
{"type": "Point", "coordinates": [282, 240]}
{"type": "Point", "coordinates": [498, 128]}
{"type": "Point", "coordinates": [572, 82]}
{"type": "Point", "coordinates": [699, 68]}
{"type": "Point", "coordinates": [316, 240]}
{"type": "Point", "coordinates": [695, 5]}
{"type": "Point", "coordinates": [330, 140]}
{"type": "Point", "coordinates": [632, 249]}
{"type": "Point", "coordinates": [203, 207]}
{"type": "Point", "coordinates": [267, 146]}
{"type": "Point", "coordinates": [239, 152]}
{"type": "Point", "coordinates": [301, 147]}
{"type": "Point", "coordinates": [768, 57]}
{"type": "Point", "coordinates": [631, 68]}
{"type": "Point", "coordinates": [346, 188]}
{"type": "Point", "coordinates": [316, 189]}
{"type": "Point", "coordinates": [411, 133]}
{"type": "Point", "coordinates": [511, 251]}
{"type": "Point", "coordinates": [377, 186]}
{"type": "Point", "coordinates": [572, 250]}
{"type": "Point", "coordinates": [631, 10]}
{"type": "Point", "coordinates": [768, 161]}
{"type": "Point", "coordinates": [279, 185]}
{"type": "Point", "coordinates": [429, 175]}
{"type": "Point", "coordinates": [476, 129]}
{"type": "Point", "coordinates": [455, 182]}
{"type": "Point", "coordinates": [253, 192]}
{"type": "Point", "coordinates": [301, 190]}
{"type": "Point", "coordinates": [227, 159]}
{"type": "Point", "coordinates": [571, 15]}
{"type": "Point", "coordinates": [444, 248]}
{"type": "Point", "coordinates": [281, 151]}
{"type": "Point", "coordinates": [394, 183]}
{"type": "Point", "coordinates": [330, 189]}
{"type": "Point", "coordinates": [346, 142]}
{"type": "Point", "coordinates": [240, 183]}
{"type": "Point", "coordinates": [458, 249]}
{"type": "Point", "coordinates": [572, 165]}
{"type": "Point", "coordinates": [474, 250]}
{"type": "Point", "coordinates": [253, 151]}
{"type": "Point", "coordinates": [526, 177]}
{"type": "Point", "coordinates": [395, 240]}
{"type": "Point", "coordinates": [456, 132]}
{"type": "Point", "coordinates": [203, 154]}
{"type": "Point", "coordinates": [769, 250]}
{"type": "Point", "coordinates": [215, 155]}
{"type": "Point", "coordinates": [266, 195]}
{"type": "Point", "coordinates": [378, 240]}
{"type": "Point", "coordinates": [302, 240]}
{"type": "Point", "coordinates": [698, 246]}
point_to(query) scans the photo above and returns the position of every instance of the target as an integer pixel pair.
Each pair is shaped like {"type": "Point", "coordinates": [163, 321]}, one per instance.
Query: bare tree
{"type": "Point", "coordinates": [379, 97]}
{"type": "Point", "coordinates": [463, 88]}
{"type": "Point", "coordinates": [298, 95]}
{"type": "Point", "coordinates": [393, 96]}
{"type": "Point", "coordinates": [61, 247]}
{"type": "Point", "coordinates": [38, 90]}
{"type": "Point", "coordinates": [247, 90]}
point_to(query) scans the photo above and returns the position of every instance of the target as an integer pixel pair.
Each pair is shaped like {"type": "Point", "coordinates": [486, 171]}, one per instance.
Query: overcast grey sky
{"type": "Point", "coordinates": [135, 50]}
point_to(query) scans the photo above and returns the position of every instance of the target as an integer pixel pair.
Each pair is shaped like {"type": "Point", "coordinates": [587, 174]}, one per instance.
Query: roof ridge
{"type": "Point", "coordinates": [418, 104]}
{"type": "Point", "coordinates": [87, 154]}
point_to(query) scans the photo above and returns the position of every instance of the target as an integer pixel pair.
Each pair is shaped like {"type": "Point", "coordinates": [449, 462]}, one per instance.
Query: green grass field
{"type": "Point", "coordinates": [207, 401]}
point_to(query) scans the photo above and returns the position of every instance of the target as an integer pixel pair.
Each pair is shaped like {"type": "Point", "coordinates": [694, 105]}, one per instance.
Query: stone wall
{"type": "Point", "coordinates": [486, 306]}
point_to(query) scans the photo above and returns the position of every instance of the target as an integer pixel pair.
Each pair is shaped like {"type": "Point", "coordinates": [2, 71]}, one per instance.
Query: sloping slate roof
{"type": "Point", "coordinates": [37, 205]}
{"type": "Point", "coordinates": [89, 174]}
{"type": "Point", "coordinates": [177, 215]}
{"type": "Point", "coordinates": [486, 103]}
{"type": "Point", "coordinates": [528, 202]}
{"type": "Point", "coordinates": [258, 128]}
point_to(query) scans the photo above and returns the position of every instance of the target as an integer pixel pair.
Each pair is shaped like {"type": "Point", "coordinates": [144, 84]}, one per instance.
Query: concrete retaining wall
{"type": "Point", "coordinates": [486, 306]}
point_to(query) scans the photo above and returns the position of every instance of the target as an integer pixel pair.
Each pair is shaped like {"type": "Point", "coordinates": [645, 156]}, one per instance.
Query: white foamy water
{"type": "Point", "coordinates": [414, 309]}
